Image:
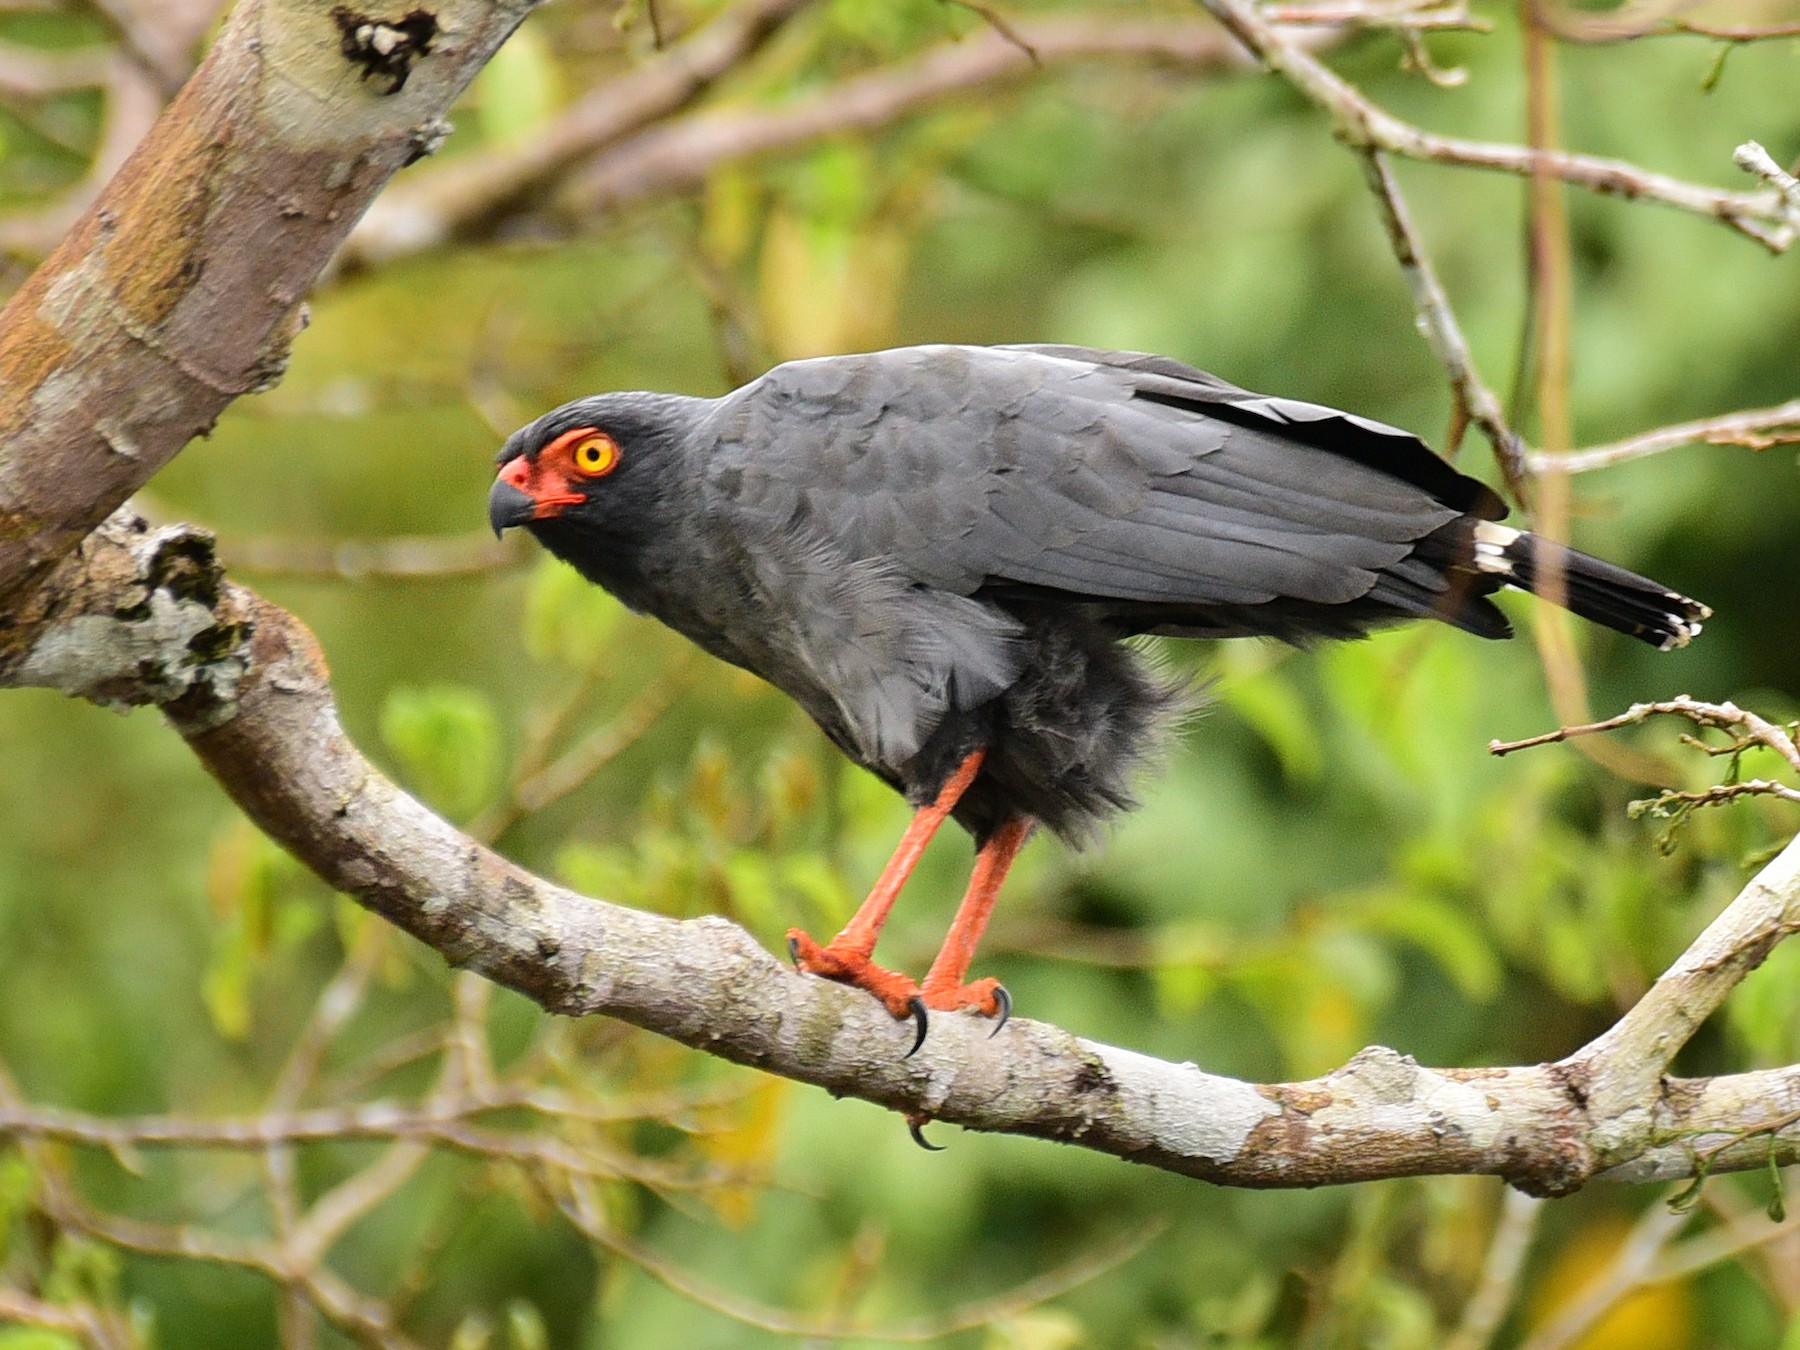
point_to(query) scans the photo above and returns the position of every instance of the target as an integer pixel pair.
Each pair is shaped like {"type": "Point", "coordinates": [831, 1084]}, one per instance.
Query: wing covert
{"type": "Point", "coordinates": [1109, 476]}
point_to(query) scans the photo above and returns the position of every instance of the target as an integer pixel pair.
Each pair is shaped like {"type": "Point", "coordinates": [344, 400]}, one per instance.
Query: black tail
{"type": "Point", "coordinates": [1590, 587]}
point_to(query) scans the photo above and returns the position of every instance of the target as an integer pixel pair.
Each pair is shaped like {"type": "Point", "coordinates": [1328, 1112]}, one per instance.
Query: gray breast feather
{"type": "Point", "coordinates": [867, 649]}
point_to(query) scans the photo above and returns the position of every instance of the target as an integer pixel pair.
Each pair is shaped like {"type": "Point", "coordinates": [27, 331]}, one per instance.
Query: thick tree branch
{"type": "Point", "coordinates": [148, 615]}
{"type": "Point", "coordinates": [181, 288]}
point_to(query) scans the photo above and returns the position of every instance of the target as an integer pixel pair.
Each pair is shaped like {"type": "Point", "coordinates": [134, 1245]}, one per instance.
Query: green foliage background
{"type": "Point", "coordinates": [1331, 860]}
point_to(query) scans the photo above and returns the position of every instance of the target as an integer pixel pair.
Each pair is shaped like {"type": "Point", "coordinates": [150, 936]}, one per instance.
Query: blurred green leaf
{"type": "Point", "coordinates": [447, 740]}
{"type": "Point", "coordinates": [474, 1332]}
{"type": "Point", "coordinates": [1038, 1329]}
{"type": "Point", "coordinates": [525, 1329]}
{"type": "Point", "coordinates": [519, 89]}
{"type": "Point", "coordinates": [1764, 1011]}
{"type": "Point", "coordinates": [1274, 709]}
{"type": "Point", "coordinates": [36, 1338]}
{"type": "Point", "coordinates": [607, 871]}
{"type": "Point", "coordinates": [568, 619]}
{"type": "Point", "coordinates": [1446, 933]}
{"type": "Point", "coordinates": [250, 883]}
{"type": "Point", "coordinates": [18, 1185]}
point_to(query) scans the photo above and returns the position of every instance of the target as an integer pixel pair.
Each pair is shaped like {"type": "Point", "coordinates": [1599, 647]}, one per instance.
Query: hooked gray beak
{"type": "Point", "coordinates": [507, 507]}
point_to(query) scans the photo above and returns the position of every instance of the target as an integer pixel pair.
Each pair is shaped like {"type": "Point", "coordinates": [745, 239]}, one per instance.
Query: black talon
{"type": "Point", "coordinates": [915, 1124]}
{"type": "Point", "coordinates": [1004, 999]}
{"type": "Point", "coordinates": [916, 1006]}
{"type": "Point", "coordinates": [794, 952]}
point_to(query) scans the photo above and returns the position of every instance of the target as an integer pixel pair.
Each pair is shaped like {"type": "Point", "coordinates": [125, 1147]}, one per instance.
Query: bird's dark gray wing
{"type": "Point", "coordinates": [1080, 471]}
{"type": "Point", "coordinates": [931, 477]}
{"type": "Point", "coordinates": [1388, 449]}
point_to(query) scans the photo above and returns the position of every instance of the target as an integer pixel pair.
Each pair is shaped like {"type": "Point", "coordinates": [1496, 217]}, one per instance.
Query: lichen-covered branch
{"type": "Point", "coordinates": [242, 681]}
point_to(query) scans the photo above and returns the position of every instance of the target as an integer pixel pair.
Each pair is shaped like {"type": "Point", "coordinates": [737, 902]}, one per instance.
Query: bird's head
{"type": "Point", "coordinates": [592, 473]}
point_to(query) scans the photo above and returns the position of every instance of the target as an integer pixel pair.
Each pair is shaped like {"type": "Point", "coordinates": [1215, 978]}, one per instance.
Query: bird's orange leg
{"type": "Point", "coordinates": [847, 957]}
{"type": "Point", "coordinates": [944, 988]}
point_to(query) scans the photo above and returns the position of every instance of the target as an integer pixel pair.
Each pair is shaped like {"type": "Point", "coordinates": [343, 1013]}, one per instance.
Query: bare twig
{"type": "Point", "coordinates": [1001, 25]}
{"type": "Point", "coordinates": [27, 72]}
{"type": "Point", "coordinates": [424, 557]}
{"type": "Point", "coordinates": [1437, 320]}
{"type": "Point", "coordinates": [978, 1313]}
{"type": "Point", "coordinates": [1652, 18]}
{"type": "Point", "coordinates": [1727, 1242]}
{"type": "Point", "coordinates": [133, 101]}
{"type": "Point", "coordinates": [1757, 429]}
{"type": "Point", "coordinates": [1628, 1270]}
{"type": "Point", "coordinates": [1748, 727]}
{"type": "Point", "coordinates": [93, 1327]}
{"type": "Point", "coordinates": [473, 187]}
{"type": "Point", "coordinates": [678, 155]}
{"type": "Point", "coordinates": [1757, 215]}
{"type": "Point", "coordinates": [1405, 16]}
{"type": "Point", "coordinates": [366, 1321]}
{"type": "Point", "coordinates": [1752, 158]}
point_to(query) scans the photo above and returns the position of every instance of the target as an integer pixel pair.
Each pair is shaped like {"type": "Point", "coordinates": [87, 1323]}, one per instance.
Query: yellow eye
{"type": "Point", "coordinates": [596, 455]}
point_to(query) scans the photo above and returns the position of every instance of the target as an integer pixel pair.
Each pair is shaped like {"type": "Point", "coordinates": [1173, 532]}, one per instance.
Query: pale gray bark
{"type": "Point", "coordinates": [242, 680]}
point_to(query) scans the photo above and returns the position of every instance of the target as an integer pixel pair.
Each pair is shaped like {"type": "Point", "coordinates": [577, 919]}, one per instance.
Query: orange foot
{"type": "Point", "coordinates": [851, 965]}
{"type": "Point", "coordinates": [987, 997]}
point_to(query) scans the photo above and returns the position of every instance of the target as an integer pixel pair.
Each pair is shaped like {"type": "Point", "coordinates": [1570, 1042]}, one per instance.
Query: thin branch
{"type": "Point", "coordinates": [133, 102]}
{"type": "Point", "coordinates": [999, 23]}
{"type": "Point", "coordinates": [549, 783]}
{"type": "Point", "coordinates": [340, 1000]}
{"type": "Point", "coordinates": [91, 1326]}
{"type": "Point", "coordinates": [1717, 795]}
{"type": "Point", "coordinates": [1748, 727]}
{"type": "Point", "coordinates": [365, 1320]}
{"type": "Point", "coordinates": [27, 72]}
{"type": "Point", "coordinates": [1405, 16]}
{"type": "Point", "coordinates": [977, 1313]}
{"type": "Point", "coordinates": [1437, 320]}
{"type": "Point", "coordinates": [1727, 1242]}
{"type": "Point", "coordinates": [1757, 215]}
{"type": "Point", "coordinates": [472, 188]}
{"type": "Point", "coordinates": [1629, 1268]}
{"type": "Point", "coordinates": [422, 557]}
{"type": "Point", "coordinates": [678, 155]}
{"type": "Point", "coordinates": [1652, 18]}
{"type": "Point", "coordinates": [1757, 429]}
{"type": "Point", "coordinates": [1752, 158]}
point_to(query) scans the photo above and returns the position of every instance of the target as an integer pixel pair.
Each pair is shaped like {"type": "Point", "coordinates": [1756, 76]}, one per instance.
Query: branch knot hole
{"type": "Point", "coordinates": [385, 47]}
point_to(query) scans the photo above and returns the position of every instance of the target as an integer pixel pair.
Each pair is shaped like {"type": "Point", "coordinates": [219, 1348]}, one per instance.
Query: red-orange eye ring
{"type": "Point", "coordinates": [595, 455]}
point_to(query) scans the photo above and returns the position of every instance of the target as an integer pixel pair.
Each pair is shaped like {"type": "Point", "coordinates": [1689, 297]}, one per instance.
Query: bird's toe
{"type": "Point", "coordinates": [987, 997]}
{"type": "Point", "coordinates": [898, 993]}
